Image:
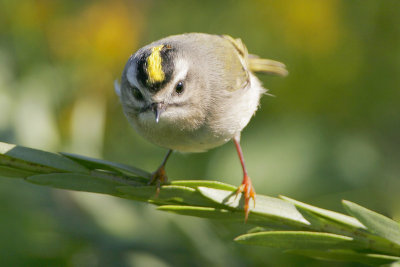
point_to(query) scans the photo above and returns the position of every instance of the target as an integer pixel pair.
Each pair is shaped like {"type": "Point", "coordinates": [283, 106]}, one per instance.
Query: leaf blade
{"type": "Point", "coordinates": [347, 256]}
{"type": "Point", "coordinates": [375, 222]}
{"type": "Point", "coordinates": [36, 160]}
{"type": "Point", "coordinates": [296, 240]}
{"type": "Point", "coordinates": [268, 207]}
{"type": "Point", "coordinates": [202, 212]}
{"type": "Point", "coordinates": [77, 182]}
{"type": "Point", "coordinates": [93, 163]}
{"type": "Point", "coordinates": [168, 194]}
{"type": "Point", "coordinates": [331, 215]}
{"type": "Point", "coordinates": [10, 172]}
{"type": "Point", "coordinates": [204, 183]}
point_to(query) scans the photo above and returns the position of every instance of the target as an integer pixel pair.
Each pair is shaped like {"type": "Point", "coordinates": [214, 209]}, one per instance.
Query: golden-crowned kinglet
{"type": "Point", "coordinates": [193, 92]}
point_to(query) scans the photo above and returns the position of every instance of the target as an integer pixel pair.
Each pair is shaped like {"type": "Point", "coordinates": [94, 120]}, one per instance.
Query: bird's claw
{"type": "Point", "coordinates": [249, 193]}
{"type": "Point", "coordinates": [157, 178]}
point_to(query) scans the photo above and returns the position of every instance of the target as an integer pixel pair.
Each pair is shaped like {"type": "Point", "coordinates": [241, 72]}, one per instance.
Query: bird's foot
{"type": "Point", "coordinates": [157, 178]}
{"type": "Point", "coordinates": [248, 192]}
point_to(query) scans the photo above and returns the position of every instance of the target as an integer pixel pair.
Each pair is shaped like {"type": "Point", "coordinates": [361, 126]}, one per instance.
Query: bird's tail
{"type": "Point", "coordinates": [267, 66]}
{"type": "Point", "coordinates": [255, 63]}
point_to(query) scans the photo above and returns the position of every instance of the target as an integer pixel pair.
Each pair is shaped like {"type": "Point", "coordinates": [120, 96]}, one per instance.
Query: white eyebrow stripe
{"type": "Point", "coordinates": [181, 68]}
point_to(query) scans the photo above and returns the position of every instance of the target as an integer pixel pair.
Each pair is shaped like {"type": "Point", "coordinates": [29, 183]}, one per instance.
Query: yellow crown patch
{"type": "Point", "coordinates": [154, 67]}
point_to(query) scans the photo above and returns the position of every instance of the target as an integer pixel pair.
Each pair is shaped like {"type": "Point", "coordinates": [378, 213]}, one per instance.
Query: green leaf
{"type": "Point", "coordinates": [296, 240]}
{"type": "Point", "coordinates": [224, 215]}
{"type": "Point", "coordinates": [172, 194]}
{"type": "Point", "coordinates": [327, 214]}
{"type": "Point", "coordinates": [347, 256]}
{"type": "Point", "coordinates": [335, 232]}
{"type": "Point", "coordinates": [204, 183]}
{"type": "Point", "coordinates": [268, 207]}
{"type": "Point", "coordinates": [258, 229]}
{"type": "Point", "coordinates": [92, 163]}
{"type": "Point", "coordinates": [375, 222]}
{"type": "Point", "coordinates": [203, 212]}
{"type": "Point", "coordinates": [36, 160]}
{"type": "Point", "coordinates": [14, 172]}
{"type": "Point", "coordinates": [76, 181]}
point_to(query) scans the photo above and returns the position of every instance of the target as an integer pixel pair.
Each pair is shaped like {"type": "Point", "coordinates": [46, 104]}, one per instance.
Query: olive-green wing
{"type": "Point", "coordinates": [234, 54]}
{"type": "Point", "coordinates": [239, 45]}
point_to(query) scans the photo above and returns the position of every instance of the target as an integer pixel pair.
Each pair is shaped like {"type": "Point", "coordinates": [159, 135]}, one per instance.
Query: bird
{"type": "Point", "coordinates": [193, 92]}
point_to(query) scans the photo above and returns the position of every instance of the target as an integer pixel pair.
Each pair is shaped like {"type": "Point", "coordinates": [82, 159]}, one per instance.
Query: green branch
{"type": "Point", "coordinates": [295, 227]}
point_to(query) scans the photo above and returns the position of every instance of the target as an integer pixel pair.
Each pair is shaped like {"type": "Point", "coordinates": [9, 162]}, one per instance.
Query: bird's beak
{"type": "Point", "coordinates": [157, 108]}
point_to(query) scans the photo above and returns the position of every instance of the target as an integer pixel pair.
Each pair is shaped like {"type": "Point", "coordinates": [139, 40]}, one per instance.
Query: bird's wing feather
{"type": "Point", "coordinates": [256, 64]}
{"type": "Point", "coordinates": [236, 64]}
{"type": "Point", "coordinates": [238, 44]}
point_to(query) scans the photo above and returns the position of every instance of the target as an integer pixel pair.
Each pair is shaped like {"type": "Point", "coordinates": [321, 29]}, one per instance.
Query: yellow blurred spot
{"type": "Point", "coordinates": [154, 67]}
{"type": "Point", "coordinates": [31, 14]}
{"type": "Point", "coordinates": [103, 34]}
{"type": "Point", "coordinates": [310, 25]}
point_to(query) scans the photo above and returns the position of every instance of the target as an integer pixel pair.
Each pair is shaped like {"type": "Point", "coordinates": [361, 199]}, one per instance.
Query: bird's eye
{"type": "Point", "coordinates": [179, 88]}
{"type": "Point", "coordinates": [137, 94]}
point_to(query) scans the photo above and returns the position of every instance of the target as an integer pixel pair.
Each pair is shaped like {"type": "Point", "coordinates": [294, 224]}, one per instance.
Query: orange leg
{"type": "Point", "coordinates": [246, 187]}
{"type": "Point", "coordinates": [160, 176]}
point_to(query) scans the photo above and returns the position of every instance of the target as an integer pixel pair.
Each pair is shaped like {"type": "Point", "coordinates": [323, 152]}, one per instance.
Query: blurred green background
{"type": "Point", "coordinates": [331, 132]}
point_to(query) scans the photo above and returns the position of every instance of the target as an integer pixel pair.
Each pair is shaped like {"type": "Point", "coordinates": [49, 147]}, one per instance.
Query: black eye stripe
{"type": "Point", "coordinates": [136, 93]}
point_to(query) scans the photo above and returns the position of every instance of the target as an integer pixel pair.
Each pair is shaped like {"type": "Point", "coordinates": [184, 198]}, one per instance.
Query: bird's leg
{"type": "Point", "coordinates": [246, 187]}
{"type": "Point", "coordinates": [159, 176]}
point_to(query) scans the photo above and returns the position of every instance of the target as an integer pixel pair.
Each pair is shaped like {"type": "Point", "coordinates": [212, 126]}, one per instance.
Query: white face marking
{"type": "Point", "coordinates": [181, 69]}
